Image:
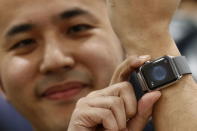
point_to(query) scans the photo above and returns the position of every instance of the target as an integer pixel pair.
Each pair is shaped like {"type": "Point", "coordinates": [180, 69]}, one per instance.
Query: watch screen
{"type": "Point", "coordinates": [158, 73]}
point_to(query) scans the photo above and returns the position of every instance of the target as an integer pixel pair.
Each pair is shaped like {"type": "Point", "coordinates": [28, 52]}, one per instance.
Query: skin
{"type": "Point", "coordinates": [49, 51]}
{"type": "Point", "coordinates": [150, 35]}
{"type": "Point", "coordinates": [54, 51]}
{"type": "Point", "coordinates": [143, 31]}
{"type": "Point", "coordinates": [115, 107]}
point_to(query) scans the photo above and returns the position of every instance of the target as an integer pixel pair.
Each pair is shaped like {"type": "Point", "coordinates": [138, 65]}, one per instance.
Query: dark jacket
{"type": "Point", "coordinates": [10, 119]}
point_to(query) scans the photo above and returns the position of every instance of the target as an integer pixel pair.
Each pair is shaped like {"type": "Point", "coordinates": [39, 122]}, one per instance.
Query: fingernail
{"type": "Point", "coordinates": [158, 94]}
{"type": "Point", "coordinates": [144, 57]}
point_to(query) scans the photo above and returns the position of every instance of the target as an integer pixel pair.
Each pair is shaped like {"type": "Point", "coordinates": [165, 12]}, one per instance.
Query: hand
{"type": "Point", "coordinates": [138, 15]}
{"type": "Point", "coordinates": [114, 108]}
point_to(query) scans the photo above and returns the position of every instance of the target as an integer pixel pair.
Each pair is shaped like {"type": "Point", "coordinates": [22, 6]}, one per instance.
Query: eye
{"type": "Point", "coordinates": [23, 43]}
{"type": "Point", "coordinates": [79, 28]}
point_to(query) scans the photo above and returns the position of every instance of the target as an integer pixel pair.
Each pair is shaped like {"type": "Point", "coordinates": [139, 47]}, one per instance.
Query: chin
{"type": "Point", "coordinates": [52, 124]}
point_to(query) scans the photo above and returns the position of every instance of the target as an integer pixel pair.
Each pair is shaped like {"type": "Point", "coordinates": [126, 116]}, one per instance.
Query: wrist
{"type": "Point", "coordinates": [148, 42]}
{"type": "Point", "coordinates": [177, 104]}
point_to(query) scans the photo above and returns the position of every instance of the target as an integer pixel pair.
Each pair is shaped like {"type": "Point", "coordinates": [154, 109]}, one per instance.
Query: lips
{"type": "Point", "coordinates": [64, 91]}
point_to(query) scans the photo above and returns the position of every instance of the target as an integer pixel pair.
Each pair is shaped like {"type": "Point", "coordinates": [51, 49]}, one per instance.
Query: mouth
{"type": "Point", "coordinates": [65, 91]}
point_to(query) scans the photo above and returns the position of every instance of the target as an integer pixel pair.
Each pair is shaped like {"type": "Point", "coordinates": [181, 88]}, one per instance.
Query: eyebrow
{"type": "Point", "coordinates": [19, 29]}
{"type": "Point", "coordinates": [68, 14]}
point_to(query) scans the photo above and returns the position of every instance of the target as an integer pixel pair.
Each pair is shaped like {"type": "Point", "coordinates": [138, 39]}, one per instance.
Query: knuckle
{"type": "Point", "coordinates": [118, 101]}
{"type": "Point", "coordinates": [79, 114]}
{"type": "Point", "coordinates": [126, 85]}
{"type": "Point", "coordinates": [93, 93]}
{"type": "Point", "coordinates": [81, 101]}
{"type": "Point", "coordinates": [77, 111]}
{"type": "Point", "coordinates": [108, 114]}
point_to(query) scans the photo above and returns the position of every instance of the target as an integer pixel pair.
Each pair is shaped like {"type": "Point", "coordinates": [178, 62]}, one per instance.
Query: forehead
{"type": "Point", "coordinates": [19, 11]}
{"type": "Point", "coordinates": [10, 5]}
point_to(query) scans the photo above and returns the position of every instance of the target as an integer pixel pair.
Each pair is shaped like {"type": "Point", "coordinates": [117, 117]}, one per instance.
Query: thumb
{"type": "Point", "coordinates": [145, 108]}
{"type": "Point", "coordinates": [127, 67]}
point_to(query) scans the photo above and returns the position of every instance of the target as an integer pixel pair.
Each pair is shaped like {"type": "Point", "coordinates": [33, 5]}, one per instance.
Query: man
{"type": "Point", "coordinates": [55, 52]}
{"type": "Point", "coordinates": [52, 56]}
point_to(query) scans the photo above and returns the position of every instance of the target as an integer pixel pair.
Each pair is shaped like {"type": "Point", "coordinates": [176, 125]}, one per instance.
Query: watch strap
{"type": "Point", "coordinates": [182, 65]}
{"type": "Point", "coordinates": [136, 85]}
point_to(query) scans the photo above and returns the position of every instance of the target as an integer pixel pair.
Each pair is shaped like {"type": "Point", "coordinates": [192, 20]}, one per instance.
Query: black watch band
{"type": "Point", "coordinates": [136, 85]}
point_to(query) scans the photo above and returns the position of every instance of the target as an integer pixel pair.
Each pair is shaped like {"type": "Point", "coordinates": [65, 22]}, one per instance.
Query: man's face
{"type": "Point", "coordinates": [52, 53]}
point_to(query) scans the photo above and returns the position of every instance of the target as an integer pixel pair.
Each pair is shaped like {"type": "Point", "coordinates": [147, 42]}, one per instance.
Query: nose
{"type": "Point", "coordinates": [56, 58]}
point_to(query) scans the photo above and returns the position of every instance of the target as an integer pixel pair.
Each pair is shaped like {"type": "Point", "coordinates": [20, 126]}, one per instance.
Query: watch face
{"type": "Point", "coordinates": [159, 73]}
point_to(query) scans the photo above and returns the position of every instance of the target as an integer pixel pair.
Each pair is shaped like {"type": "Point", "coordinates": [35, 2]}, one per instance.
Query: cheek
{"type": "Point", "coordinates": [16, 74]}
{"type": "Point", "coordinates": [102, 59]}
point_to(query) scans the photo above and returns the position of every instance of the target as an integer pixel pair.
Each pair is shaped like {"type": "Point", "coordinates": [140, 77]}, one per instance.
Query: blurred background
{"type": "Point", "coordinates": [184, 30]}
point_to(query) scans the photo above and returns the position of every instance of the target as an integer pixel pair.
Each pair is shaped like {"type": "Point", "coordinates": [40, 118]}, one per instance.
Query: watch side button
{"type": "Point", "coordinates": [147, 62]}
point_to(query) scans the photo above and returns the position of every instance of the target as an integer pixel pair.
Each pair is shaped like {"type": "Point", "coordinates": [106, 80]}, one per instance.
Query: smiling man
{"type": "Point", "coordinates": [55, 52]}
{"type": "Point", "coordinates": [52, 56]}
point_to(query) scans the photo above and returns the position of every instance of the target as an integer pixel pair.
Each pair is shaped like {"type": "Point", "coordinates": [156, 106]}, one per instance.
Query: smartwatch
{"type": "Point", "coordinates": [162, 72]}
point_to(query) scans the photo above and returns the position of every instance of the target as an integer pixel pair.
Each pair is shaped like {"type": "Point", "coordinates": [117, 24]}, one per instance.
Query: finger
{"type": "Point", "coordinates": [145, 107]}
{"type": "Point", "coordinates": [113, 103]}
{"type": "Point", "coordinates": [123, 90]}
{"type": "Point", "coordinates": [129, 65]}
{"type": "Point", "coordinates": [89, 117]}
